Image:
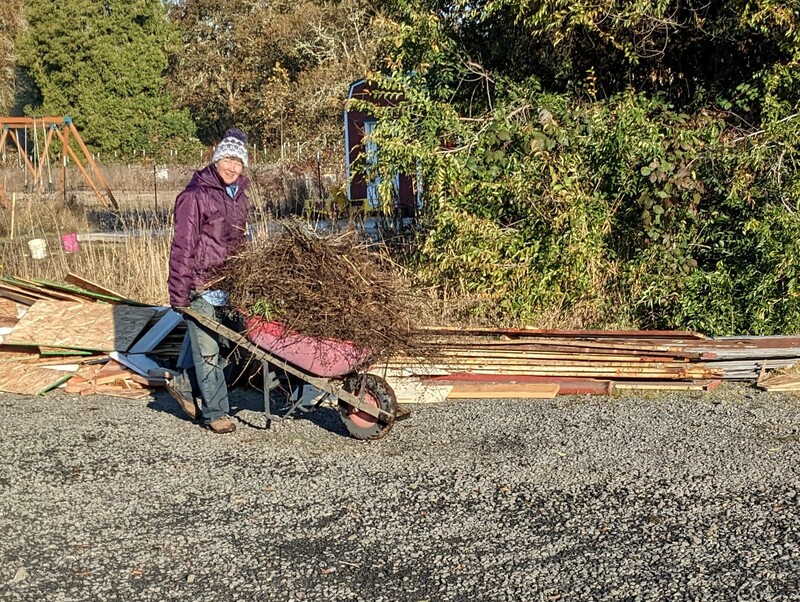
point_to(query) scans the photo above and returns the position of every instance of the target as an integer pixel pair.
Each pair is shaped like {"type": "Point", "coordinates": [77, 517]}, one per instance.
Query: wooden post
{"type": "Point", "coordinates": [64, 148]}
{"type": "Point", "coordinates": [13, 212]}
{"type": "Point", "coordinates": [155, 187]}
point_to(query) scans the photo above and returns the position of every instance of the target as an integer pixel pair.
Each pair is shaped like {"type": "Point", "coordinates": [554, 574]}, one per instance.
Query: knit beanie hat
{"type": "Point", "coordinates": [232, 145]}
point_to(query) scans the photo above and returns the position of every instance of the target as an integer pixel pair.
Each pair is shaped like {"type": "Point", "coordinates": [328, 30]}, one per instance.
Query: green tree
{"type": "Point", "coordinates": [11, 20]}
{"type": "Point", "coordinates": [103, 63]}
{"type": "Point", "coordinates": [281, 70]}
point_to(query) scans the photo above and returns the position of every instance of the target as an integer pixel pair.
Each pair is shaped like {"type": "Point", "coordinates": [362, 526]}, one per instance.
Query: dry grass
{"type": "Point", "coordinates": [40, 216]}
{"type": "Point", "coordinates": [136, 267]}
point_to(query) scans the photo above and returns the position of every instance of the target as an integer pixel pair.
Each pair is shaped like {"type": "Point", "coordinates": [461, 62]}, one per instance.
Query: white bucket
{"type": "Point", "coordinates": [38, 247]}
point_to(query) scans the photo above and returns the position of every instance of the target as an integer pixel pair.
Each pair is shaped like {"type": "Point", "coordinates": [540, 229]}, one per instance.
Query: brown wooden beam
{"type": "Point", "coordinates": [93, 165]}
{"type": "Point", "coordinates": [81, 168]}
{"type": "Point", "coordinates": [30, 121]}
{"type": "Point", "coordinates": [64, 147]}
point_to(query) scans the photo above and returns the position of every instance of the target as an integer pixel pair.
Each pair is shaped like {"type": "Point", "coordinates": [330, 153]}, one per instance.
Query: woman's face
{"type": "Point", "coordinates": [229, 169]}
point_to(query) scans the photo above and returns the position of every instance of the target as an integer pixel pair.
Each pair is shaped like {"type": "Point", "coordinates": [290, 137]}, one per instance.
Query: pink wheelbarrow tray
{"type": "Point", "coordinates": [367, 404]}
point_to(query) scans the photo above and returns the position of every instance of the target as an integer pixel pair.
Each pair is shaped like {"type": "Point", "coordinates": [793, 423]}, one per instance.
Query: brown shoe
{"type": "Point", "coordinates": [189, 406]}
{"type": "Point", "coordinates": [221, 425]}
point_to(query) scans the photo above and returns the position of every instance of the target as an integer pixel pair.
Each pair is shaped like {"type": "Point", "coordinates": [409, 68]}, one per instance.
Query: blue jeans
{"type": "Point", "coordinates": [208, 364]}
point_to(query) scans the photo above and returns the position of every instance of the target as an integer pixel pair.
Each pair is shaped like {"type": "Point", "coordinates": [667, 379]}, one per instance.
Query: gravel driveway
{"type": "Point", "coordinates": [640, 497]}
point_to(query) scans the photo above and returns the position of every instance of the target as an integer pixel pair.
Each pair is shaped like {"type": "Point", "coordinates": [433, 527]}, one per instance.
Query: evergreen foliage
{"type": "Point", "coordinates": [103, 63]}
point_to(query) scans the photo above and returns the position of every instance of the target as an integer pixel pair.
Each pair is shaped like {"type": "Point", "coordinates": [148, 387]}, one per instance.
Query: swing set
{"type": "Point", "coordinates": [45, 128]}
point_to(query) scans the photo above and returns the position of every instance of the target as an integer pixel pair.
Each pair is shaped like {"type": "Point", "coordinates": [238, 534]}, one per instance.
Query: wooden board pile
{"type": "Point", "coordinates": [90, 340]}
{"type": "Point", "coordinates": [517, 363]}
{"type": "Point", "coordinates": [83, 337]}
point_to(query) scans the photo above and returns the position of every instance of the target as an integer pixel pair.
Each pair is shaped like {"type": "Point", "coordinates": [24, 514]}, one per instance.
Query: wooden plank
{"type": "Point", "coordinates": [112, 367]}
{"type": "Point", "coordinates": [84, 294]}
{"type": "Point", "coordinates": [89, 326]}
{"type": "Point", "coordinates": [22, 288]}
{"type": "Point", "coordinates": [565, 369]}
{"type": "Point", "coordinates": [29, 380]}
{"type": "Point", "coordinates": [148, 381]}
{"type": "Point", "coordinates": [93, 287]}
{"type": "Point", "coordinates": [524, 332]}
{"type": "Point", "coordinates": [71, 368]}
{"type": "Point", "coordinates": [608, 346]}
{"type": "Point", "coordinates": [28, 285]}
{"type": "Point", "coordinates": [15, 294]}
{"type": "Point", "coordinates": [60, 359]}
{"type": "Point", "coordinates": [62, 351]}
{"type": "Point", "coordinates": [162, 373]}
{"type": "Point", "coordinates": [410, 389]}
{"type": "Point", "coordinates": [23, 353]}
{"type": "Point", "coordinates": [502, 355]}
{"type": "Point", "coordinates": [503, 391]}
{"type": "Point", "coordinates": [567, 385]}
{"type": "Point", "coordinates": [124, 393]}
{"type": "Point", "coordinates": [694, 385]}
{"type": "Point", "coordinates": [541, 362]}
{"type": "Point", "coordinates": [781, 382]}
{"type": "Point", "coordinates": [110, 378]}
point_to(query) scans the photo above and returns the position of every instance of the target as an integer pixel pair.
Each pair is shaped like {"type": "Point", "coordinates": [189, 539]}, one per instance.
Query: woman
{"type": "Point", "coordinates": [210, 225]}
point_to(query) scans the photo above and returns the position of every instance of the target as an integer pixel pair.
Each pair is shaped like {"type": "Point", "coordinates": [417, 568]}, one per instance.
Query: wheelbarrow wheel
{"type": "Point", "coordinates": [377, 393]}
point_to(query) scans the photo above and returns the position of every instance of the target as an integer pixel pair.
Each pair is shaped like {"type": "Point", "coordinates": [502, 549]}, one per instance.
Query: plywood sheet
{"type": "Point", "coordinates": [90, 326]}
{"type": "Point", "coordinates": [8, 309]}
{"type": "Point", "coordinates": [29, 380]}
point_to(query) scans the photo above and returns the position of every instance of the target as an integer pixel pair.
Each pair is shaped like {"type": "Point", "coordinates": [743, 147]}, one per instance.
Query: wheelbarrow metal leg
{"type": "Point", "coordinates": [270, 382]}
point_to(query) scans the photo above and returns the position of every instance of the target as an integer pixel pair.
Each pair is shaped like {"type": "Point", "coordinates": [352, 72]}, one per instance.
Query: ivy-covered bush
{"type": "Point", "coordinates": [647, 205]}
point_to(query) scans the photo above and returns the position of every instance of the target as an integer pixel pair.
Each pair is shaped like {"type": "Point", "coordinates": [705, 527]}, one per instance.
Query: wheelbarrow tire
{"type": "Point", "coordinates": [378, 393]}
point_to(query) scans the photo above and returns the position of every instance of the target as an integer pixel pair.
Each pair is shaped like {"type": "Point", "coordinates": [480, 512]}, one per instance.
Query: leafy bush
{"type": "Point", "coordinates": [647, 207]}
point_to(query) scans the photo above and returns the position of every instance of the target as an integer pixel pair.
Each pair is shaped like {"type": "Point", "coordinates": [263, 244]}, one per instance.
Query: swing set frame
{"type": "Point", "coordinates": [64, 129]}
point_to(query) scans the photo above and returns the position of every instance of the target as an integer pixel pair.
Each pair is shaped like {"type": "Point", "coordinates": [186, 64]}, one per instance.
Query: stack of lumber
{"type": "Point", "coordinates": [781, 382]}
{"type": "Point", "coordinates": [88, 339]}
{"type": "Point", "coordinates": [81, 336]}
{"type": "Point", "coordinates": [518, 363]}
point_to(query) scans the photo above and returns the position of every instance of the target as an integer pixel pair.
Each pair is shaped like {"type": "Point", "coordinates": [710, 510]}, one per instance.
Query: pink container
{"type": "Point", "coordinates": [70, 242]}
{"type": "Point", "coordinates": [327, 358]}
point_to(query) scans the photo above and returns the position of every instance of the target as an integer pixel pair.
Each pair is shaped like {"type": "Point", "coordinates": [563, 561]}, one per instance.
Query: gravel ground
{"type": "Point", "coordinates": [640, 497]}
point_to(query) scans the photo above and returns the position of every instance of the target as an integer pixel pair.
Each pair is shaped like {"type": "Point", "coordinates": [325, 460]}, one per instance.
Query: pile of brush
{"type": "Point", "coordinates": [325, 286]}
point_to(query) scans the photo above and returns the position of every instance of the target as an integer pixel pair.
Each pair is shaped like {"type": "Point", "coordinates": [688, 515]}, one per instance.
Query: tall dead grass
{"type": "Point", "coordinates": [135, 266]}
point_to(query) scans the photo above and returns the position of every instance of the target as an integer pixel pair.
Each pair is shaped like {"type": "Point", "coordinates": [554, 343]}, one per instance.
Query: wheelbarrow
{"type": "Point", "coordinates": [367, 404]}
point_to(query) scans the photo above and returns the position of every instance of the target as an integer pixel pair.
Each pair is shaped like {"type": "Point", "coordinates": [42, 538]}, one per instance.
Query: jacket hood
{"type": "Point", "coordinates": [209, 178]}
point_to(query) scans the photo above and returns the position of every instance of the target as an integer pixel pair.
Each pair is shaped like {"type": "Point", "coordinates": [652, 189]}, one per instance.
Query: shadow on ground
{"type": "Point", "coordinates": [247, 407]}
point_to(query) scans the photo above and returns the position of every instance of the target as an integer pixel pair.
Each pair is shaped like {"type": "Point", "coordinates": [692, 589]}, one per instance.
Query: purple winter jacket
{"type": "Point", "coordinates": [209, 227]}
